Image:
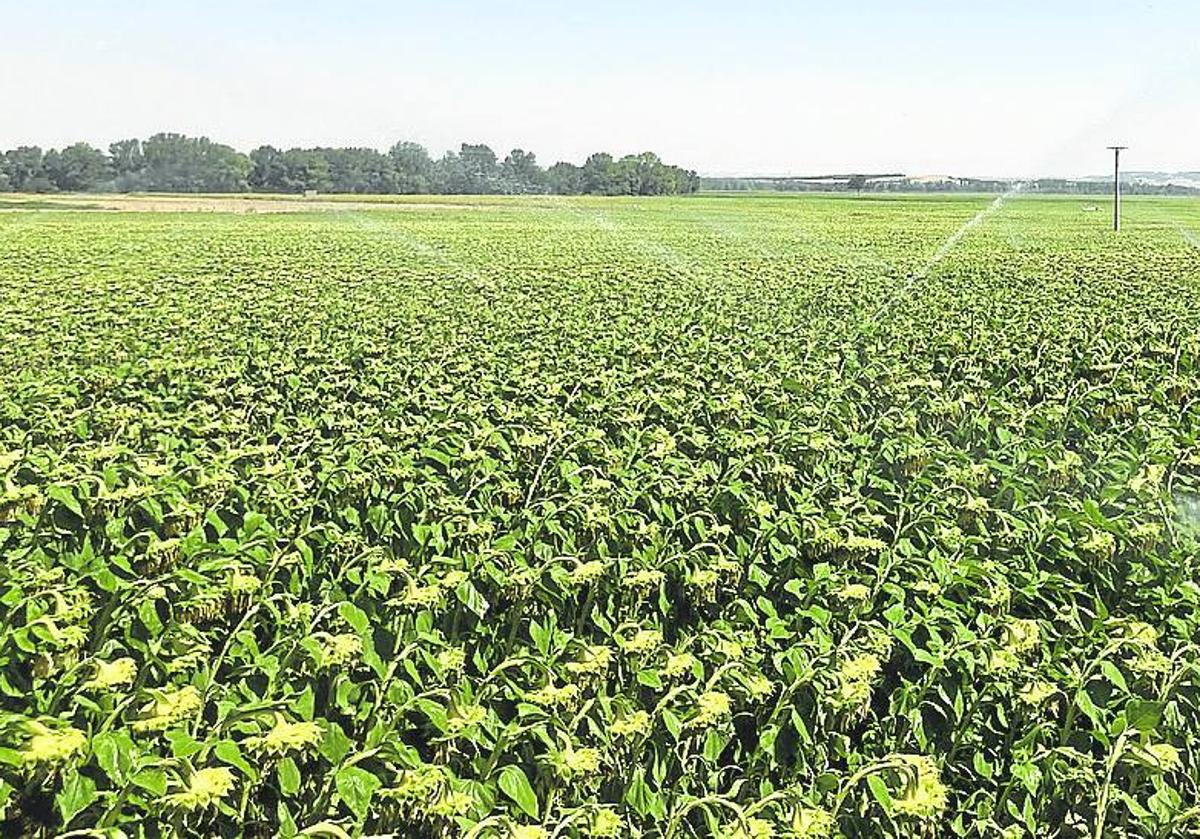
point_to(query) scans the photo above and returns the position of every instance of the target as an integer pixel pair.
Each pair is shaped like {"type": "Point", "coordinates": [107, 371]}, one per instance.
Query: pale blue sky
{"type": "Point", "coordinates": [918, 86]}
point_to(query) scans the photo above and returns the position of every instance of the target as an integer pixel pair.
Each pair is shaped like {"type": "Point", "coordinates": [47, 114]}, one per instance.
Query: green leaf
{"type": "Point", "coordinates": [356, 786]}
{"type": "Point", "coordinates": [354, 616]}
{"type": "Point", "coordinates": [639, 796]}
{"type": "Point", "coordinates": [115, 753]}
{"type": "Point", "coordinates": [289, 776]}
{"type": "Point", "coordinates": [182, 743]}
{"type": "Point", "coordinates": [149, 617]}
{"type": "Point", "coordinates": [515, 785]}
{"type": "Point", "coordinates": [227, 751]}
{"type": "Point", "coordinates": [1113, 674]}
{"type": "Point", "coordinates": [151, 780]}
{"type": "Point", "coordinates": [1143, 714]}
{"type": "Point", "coordinates": [650, 678]}
{"type": "Point", "coordinates": [335, 745]}
{"type": "Point", "coordinates": [63, 495]}
{"type": "Point", "coordinates": [672, 722]}
{"type": "Point", "coordinates": [77, 793]}
{"type": "Point", "coordinates": [470, 597]}
{"type": "Point", "coordinates": [880, 791]}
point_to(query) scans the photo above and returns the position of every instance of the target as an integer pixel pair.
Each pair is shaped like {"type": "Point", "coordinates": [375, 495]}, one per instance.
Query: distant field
{"type": "Point", "coordinates": [738, 516]}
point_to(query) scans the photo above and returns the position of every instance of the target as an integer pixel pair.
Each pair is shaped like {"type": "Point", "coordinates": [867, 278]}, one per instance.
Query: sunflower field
{"type": "Point", "coordinates": [740, 517]}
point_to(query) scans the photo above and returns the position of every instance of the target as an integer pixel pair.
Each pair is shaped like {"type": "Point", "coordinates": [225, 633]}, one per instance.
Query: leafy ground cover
{"type": "Point", "coordinates": [715, 516]}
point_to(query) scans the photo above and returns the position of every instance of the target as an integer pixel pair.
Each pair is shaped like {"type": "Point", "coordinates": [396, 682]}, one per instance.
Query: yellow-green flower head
{"type": "Point", "coordinates": [1003, 661]}
{"type": "Point", "coordinates": [48, 746]}
{"type": "Point", "coordinates": [111, 674]}
{"type": "Point", "coordinates": [998, 594]}
{"type": "Point", "coordinates": [606, 823]}
{"type": "Point", "coordinates": [753, 828]}
{"type": "Point", "coordinates": [853, 681]}
{"type": "Point", "coordinates": [287, 737]}
{"type": "Point", "coordinates": [731, 649]}
{"type": "Point", "coordinates": [678, 664]}
{"type": "Point", "coordinates": [205, 788]}
{"type": "Point", "coordinates": [1100, 544]}
{"type": "Point", "coordinates": [527, 831]}
{"type": "Point", "coordinates": [703, 580]}
{"type": "Point", "coordinates": [169, 707]}
{"type": "Point", "coordinates": [712, 707]}
{"type": "Point", "coordinates": [1141, 633]}
{"type": "Point", "coordinates": [812, 823]}
{"type": "Point", "coordinates": [586, 573]}
{"type": "Point", "coordinates": [453, 579]}
{"type": "Point", "coordinates": [1022, 635]}
{"type": "Point", "coordinates": [573, 762]}
{"type": "Point", "coordinates": [924, 796]}
{"type": "Point", "coordinates": [392, 565]}
{"type": "Point", "coordinates": [759, 686]}
{"type": "Point", "coordinates": [454, 804]}
{"type": "Point", "coordinates": [422, 597]}
{"type": "Point", "coordinates": [1036, 692]}
{"type": "Point", "coordinates": [633, 724]}
{"type": "Point", "coordinates": [452, 659]}
{"type": "Point", "coordinates": [854, 592]}
{"type": "Point", "coordinates": [340, 650]}
{"type": "Point", "coordinates": [643, 642]}
{"type": "Point", "coordinates": [1149, 661]}
{"type": "Point", "coordinates": [860, 668]}
{"type": "Point", "coordinates": [595, 660]}
{"type": "Point", "coordinates": [242, 583]}
{"type": "Point", "coordinates": [464, 717]}
{"type": "Point", "coordinates": [554, 696]}
{"type": "Point", "coordinates": [645, 579]}
{"type": "Point", "coordinates": [417, 786]}
{"type": "Point", "coordinates": [929, 587]}
{"type": "Point", "coordinates": [863, 545]}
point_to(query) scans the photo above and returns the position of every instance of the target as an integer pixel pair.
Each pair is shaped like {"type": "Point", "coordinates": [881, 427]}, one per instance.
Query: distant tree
{"type": "Point", "coordinates": [479, 165]}
{"type": "Point", "coordinates": [305, 169]}
{"type": "Point", "coordinates": [414, 169]}
{"type": "Point", "coordinates": [521, 174]}
{"type": "Point", "coordinates": [598, 174]}
{"type": "Point", "coordinates": [78, 168]}
{"type": "Point", "coordinates": [564, 179]}
{"type": "Point", "coordinates": [267, 170]}
{"type": "Point", "coordinates": [24, 167]}
{"type": "Point", "coordinates": [360, 170]}
{"type": "Point", "coordinates": [450, 176]}
{"type": "Point", "coordinates": [177, 163]}
{"type": "Point", "coordinates": [856, 182]}
{"type": "Point", "coordinates": [126, 156]}
{"type": "Point", "coordinates": [170, 162]}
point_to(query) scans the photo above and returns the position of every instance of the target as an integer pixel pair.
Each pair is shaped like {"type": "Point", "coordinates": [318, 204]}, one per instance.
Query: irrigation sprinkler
{"type": "Point", "coordinates": [1116, 150]}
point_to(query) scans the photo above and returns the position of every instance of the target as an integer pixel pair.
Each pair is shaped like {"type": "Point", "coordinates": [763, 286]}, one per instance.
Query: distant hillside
{"type": "Point", "coordinates": [1189, 180]}
{"type": "Point", "coordinates": [1135, 183]}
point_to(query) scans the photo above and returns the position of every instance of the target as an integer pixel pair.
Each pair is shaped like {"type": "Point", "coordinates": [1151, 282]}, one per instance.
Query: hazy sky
{"type": "Point", "coordinates": [1019, 87]}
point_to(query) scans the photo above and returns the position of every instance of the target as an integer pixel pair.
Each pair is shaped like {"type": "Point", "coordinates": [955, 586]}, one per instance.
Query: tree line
{"type": "Point", "coordinates": [170, 162]}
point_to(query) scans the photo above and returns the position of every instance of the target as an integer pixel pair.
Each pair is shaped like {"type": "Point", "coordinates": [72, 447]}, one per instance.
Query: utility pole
{"type": "Point", "coordinates": [1116, 150]}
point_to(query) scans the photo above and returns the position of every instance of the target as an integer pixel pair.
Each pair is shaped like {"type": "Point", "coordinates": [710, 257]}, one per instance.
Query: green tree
{"type": "Point", "coordinates": [479, 166]}
{"type": "Point", "coordinates": [24, 167]}
{"type": "Point", "coordinates": [78, 168]}
{"type": "Point", "coordinates": [521, 174]}
{"type": "Point", "coordinates": [267, 170]}
{"type": "Point", "coordinates": [598, 174]}
{"type": "Point", "coordinates": [177, 163]}
{"type": "Point", "coordinates": [564, 179]}
{"type": "Point", "coordinates": [414, 169]}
